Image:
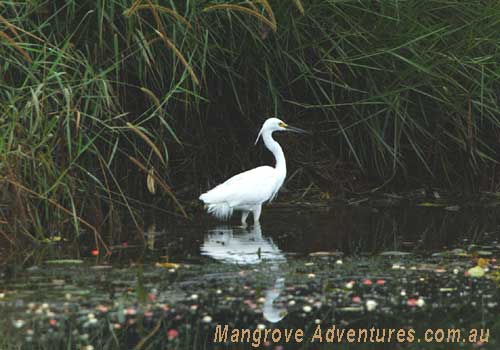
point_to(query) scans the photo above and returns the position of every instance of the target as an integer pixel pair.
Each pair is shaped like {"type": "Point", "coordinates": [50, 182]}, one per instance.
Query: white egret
{"type": "Point", "coordinates": [247, 191]}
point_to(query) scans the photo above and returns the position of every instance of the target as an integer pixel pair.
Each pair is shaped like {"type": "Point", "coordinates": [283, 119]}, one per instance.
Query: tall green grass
{"type": "Point", "coordinates": [104, 102]}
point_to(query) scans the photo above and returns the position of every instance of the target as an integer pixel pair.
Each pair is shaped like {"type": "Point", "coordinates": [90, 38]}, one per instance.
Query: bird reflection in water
{"type": "Point", "coordinates": [247, 246]}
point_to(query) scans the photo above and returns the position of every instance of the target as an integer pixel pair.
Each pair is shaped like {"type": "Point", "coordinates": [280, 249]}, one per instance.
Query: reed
{"type": "Point", "coordinates": [269, 22]}
{"type": "Point", "coordinates": [398, 95]}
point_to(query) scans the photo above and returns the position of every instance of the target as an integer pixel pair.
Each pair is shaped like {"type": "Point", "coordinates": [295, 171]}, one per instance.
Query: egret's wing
{"type": "Point", "coordinates": [250, 187]}
{"type": "Point", "coordinates": [259, 172]}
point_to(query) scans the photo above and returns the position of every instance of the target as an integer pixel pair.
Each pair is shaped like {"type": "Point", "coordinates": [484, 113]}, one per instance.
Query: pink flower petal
{"type": "Point", "coordinates": [172, 334]}
{"type": "Point", "coordinates": [412, 302]}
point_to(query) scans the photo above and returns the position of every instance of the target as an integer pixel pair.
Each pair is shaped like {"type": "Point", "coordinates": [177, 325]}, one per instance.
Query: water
{"type": "Point", "coordinates": [359, 267]}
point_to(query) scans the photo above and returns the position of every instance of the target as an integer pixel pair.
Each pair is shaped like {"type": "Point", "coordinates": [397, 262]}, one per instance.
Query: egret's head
{"type": "Point", "coordinates": [274, 124]}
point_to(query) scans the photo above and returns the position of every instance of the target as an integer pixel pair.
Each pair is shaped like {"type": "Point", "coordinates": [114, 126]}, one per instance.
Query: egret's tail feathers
{"type": "Point", "coordinates": [215, 205]}
{"type": "Point", "coordinates": [221, 211]}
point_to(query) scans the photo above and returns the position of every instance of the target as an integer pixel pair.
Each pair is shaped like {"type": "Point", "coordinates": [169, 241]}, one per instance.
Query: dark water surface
{"type": "Point", "coordinates": [411, 268]}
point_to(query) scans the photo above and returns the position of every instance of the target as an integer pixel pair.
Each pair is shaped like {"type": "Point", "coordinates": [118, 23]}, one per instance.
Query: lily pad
{"type": "Point", "coordinates": [430, 205]}
{"type": "Point", "coordinates": [351, 309]}
{"type": "Point", "coordinates": [333, 253]}
{"type": "Point", "coordinates": [168, 265]}
{"type": "Point", "coordinates": [454, 252]}
{"type": "Point", "coordinates": [64, 261]}
{"type": "Point", "coordinates": [484, 253]}
{"type": "Point", "coordinates": [395, 253]}
{"type": "Point", "coordinates": [476, 272]}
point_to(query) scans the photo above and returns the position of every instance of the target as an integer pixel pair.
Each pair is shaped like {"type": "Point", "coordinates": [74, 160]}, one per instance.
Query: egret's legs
{"type": "Point", "coordinates": [256, 213]}
{"type": "Point", "coordinates": [244, 215]}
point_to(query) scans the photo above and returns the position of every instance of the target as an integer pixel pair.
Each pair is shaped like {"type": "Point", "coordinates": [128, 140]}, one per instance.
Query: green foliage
{"type": "Point", "coordinates": [97, 95]}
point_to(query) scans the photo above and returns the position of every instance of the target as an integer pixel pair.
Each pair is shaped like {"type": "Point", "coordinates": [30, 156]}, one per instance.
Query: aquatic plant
{"type": "Point", "coordinates": [103, 102]}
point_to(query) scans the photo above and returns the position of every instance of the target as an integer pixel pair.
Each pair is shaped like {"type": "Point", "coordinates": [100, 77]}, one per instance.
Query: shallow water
{"type": "Point", "coordinates": [352, 267]}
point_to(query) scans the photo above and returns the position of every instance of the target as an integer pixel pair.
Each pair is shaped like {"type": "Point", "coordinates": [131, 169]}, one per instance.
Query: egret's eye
{"type": "Point", "coordinates": [282, 125]}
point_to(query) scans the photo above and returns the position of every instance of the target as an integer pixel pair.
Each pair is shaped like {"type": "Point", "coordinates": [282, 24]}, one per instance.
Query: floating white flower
{"type": "Point", "coordinates": [371, 305]}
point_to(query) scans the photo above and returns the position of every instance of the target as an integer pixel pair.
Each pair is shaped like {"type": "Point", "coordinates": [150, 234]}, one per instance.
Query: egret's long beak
{"type": "Point", "coordinates": [297, 130]}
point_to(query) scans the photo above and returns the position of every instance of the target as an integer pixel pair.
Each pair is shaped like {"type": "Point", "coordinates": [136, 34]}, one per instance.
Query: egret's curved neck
{"type": "Point", "coordinates": [277, 151]}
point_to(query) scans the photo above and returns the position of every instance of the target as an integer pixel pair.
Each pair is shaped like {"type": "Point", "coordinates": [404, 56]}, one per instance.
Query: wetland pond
{"type": "Point", "coordinates": [355, 267]}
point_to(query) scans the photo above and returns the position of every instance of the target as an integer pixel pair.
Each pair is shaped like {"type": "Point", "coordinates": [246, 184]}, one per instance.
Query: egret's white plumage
{"type": "Point", "coordinates": [248, 190]}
